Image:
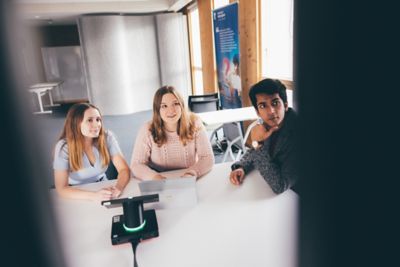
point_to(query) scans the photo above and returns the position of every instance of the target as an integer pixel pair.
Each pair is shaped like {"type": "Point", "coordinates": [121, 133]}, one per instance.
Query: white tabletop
{"type": "Point", "coordinates": [47, 84]}
{"type": "Point", "coordinates": [228, 115]}
{"type": "Point", "coordinates": [40, 89]}
{"type": "Point", "coordinates": [230, 226]}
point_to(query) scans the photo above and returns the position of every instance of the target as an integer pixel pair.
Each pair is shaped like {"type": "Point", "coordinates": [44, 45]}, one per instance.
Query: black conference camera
{"type": "Point", "coordinates": [135, 224]}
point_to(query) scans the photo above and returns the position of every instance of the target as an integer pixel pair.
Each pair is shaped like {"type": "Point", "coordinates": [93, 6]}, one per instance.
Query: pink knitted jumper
{"type": "Point", "coordinates": [196, 157]}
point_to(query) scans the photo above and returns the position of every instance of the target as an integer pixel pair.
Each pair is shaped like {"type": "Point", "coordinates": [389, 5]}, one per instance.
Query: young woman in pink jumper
{"type": "Point", "coordinates": [174, 139]}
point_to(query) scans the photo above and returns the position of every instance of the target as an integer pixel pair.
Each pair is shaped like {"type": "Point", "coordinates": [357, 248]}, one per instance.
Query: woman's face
{"type": "Point", "coordinates": [170, 109]}
{"type": "Point", "coordinates": [91, 123]}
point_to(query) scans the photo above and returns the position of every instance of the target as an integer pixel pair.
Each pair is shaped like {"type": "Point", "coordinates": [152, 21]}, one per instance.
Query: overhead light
{"type": "Point", "coordinates": [37, 17]}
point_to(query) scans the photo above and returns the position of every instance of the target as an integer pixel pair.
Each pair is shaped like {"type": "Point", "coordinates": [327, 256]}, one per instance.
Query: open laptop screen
{"type": "Point", "coordinates": [173, 192]}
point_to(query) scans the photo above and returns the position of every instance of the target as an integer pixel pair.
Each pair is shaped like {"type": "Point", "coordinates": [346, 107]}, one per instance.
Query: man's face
{"type": "Point", "coordinates": [271, 109]}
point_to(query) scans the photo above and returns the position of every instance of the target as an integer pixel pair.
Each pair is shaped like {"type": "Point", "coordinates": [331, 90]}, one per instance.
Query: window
{"type": "Point", "coordinates": [277, 39]}
{"type": "Point", "coordinates": [195, 44]}
{"type": "Point", "coordinates": [195, 50]}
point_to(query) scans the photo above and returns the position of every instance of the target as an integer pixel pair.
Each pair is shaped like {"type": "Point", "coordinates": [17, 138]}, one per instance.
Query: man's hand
{"type": "Point", "coordinates": [237, 176]}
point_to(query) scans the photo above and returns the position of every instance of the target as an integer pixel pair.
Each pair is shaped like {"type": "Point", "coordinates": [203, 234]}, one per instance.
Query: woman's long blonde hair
{"type": "Point", "coordinates": [186, 124]}
{"type": "Point", "coordinates": [75, 140]}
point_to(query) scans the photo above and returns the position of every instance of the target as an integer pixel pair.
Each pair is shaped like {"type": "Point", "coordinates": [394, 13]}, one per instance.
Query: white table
{"type": "Point", "coordinates": [40, 89]}
{"type": "Point", "coordinates": [221, 117]}
{"type": "Point", "coordinates": [233, 226]}
{"type": "Point", "coordinates": [227, 115]}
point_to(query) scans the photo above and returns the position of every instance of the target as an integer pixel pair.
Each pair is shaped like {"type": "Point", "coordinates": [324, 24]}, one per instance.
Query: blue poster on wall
{"type": "Point", "coordinates": [226, 40]}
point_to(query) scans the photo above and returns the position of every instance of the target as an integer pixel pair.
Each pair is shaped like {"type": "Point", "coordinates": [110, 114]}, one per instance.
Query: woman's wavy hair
{"type": "Point", "coordinates": [186, 124]}
{"type": "Point", "coordinates": [75, 140]}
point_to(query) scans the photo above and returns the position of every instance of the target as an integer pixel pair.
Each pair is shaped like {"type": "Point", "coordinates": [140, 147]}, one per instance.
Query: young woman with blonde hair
{"type": "Point", "coordinates": [174, 139]}
{"type": "Point", "coordinates": [83, 153]}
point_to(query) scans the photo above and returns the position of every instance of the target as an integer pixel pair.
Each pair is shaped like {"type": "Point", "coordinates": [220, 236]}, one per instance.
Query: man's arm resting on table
{"type": "Point", "coordinates": [246, 162]}
{"type": "Point", "coordinates": [240, 168]}
{"type": "Point", "coordinates": [280, 177]}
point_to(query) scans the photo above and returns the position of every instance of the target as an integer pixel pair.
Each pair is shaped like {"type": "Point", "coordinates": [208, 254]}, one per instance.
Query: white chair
{"type": "Point", "coordinates": [234, 137]}
{"type": "Point", "coordinates": [246, 136]}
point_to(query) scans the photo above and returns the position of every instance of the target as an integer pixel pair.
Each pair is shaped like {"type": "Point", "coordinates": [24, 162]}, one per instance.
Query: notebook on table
{"type": "Point", "coordinates": [173, 192]}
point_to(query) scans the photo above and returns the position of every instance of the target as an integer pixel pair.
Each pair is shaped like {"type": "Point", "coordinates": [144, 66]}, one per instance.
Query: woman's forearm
{"type": "Point", "coordinates": [142, 171]}
{"type": "Point", "coordinates": [75, 193]}
{"type": "Point", "coordinates": [123, 179]}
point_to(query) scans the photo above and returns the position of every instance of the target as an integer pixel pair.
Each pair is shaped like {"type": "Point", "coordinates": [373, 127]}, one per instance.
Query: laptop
{"type": "Point", "coordinates": [177, 192]}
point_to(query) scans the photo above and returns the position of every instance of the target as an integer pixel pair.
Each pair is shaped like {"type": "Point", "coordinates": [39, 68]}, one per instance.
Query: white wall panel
{"type": "Point", "coordinates": [143, 59]}
{"type": "Point", "coordinates": [174, 51]}
{"type": "Point", "coordinates": [121, 62]}
{"type": "Point", "coordinates": [127, 58]}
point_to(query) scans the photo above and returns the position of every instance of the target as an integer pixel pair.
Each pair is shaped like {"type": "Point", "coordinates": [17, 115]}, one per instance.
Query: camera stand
{"type": "Point", "coordinates": [134, 224]}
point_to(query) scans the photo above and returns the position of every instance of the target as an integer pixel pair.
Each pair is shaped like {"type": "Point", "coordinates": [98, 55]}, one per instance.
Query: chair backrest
{"type": "Point", "coordinates": [233, 133]}
{"type": "Point", "coordinates": [203, 97]}
{"type": "Point", "coordinates": [204, 105]}
{"type": "Point", "coordinates": [247, 134]}
{"type": "Point", "coordinates": [200, 98]}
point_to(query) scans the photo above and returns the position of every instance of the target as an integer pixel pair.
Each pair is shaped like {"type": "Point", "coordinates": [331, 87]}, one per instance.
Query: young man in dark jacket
{"type": "Point", "coordinates": [273, 139]}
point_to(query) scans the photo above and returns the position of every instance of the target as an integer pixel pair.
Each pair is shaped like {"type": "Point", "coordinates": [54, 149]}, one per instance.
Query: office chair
{"type": "Point", "coordinates": [204, 103]}
{"type": "Point", "coordinates": [205, 96]}
{"type": "Point", "coordinates": [203, 100]}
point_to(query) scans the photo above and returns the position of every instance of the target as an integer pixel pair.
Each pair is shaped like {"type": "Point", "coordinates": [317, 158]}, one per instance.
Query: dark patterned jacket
{"type": "Point", "coordinates": [275, 159]}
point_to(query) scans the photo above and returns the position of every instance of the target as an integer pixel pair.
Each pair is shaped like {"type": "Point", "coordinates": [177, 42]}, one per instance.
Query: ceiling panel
{"type": "Point", "coordinates": [66, 11]}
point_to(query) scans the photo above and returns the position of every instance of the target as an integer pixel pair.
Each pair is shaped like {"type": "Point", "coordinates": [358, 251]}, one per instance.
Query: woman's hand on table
{"type": "Point", "coordinates": [103, 194]}
{"type": "Point", "coordinates": [158, 177]}
{"type": "Point", "coordinates": [189, 173]}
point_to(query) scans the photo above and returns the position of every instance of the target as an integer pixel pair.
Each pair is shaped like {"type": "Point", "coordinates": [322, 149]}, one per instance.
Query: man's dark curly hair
{"type": "Point", "coordinates": [269, 87]}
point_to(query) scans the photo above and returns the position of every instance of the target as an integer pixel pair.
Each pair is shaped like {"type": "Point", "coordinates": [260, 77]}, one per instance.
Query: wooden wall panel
{"type": "Point", "coordinates": [250, 54]}
{"type": "Point", "coordinates": [207, 46]}
{"type": "Point", "coordinates": [249, 46]}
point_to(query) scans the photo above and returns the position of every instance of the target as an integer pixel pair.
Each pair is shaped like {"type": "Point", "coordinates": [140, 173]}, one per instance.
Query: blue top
{"type": "Point", "coordinates": [88, 173]}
